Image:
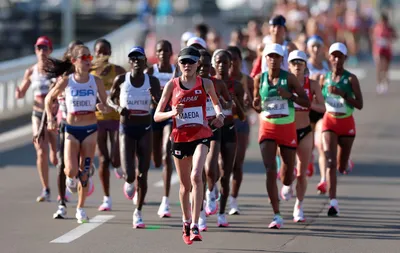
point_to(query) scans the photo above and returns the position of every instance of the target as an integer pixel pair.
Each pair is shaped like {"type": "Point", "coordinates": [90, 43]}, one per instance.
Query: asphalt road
{"type": "Point", "coordinates": [368, 199]}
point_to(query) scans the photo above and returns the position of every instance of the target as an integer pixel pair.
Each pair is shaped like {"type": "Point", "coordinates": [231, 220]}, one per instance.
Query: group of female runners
{"type": "Point", "coordinates": [195, 113]}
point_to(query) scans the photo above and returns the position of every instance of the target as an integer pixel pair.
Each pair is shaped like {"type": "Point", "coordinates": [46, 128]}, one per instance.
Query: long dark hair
{"type": "Point", "coordinates": [55, 68]}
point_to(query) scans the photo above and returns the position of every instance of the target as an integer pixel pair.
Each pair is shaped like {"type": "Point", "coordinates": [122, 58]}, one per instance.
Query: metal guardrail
{"type": "Point", "coordinates": [12, 72]}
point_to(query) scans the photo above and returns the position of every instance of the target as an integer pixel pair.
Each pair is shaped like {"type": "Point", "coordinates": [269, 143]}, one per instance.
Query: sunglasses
{"type": "Point", "coordinates": [85, 57]}
{"type": "Point", "coordinates": [42, 47]}
{"type": "Point", "coordinates": [187, 61]}
{"type": "Point", "coordinates": [137, 57]}
{"type": "Point", "coordinates": [296, 62]}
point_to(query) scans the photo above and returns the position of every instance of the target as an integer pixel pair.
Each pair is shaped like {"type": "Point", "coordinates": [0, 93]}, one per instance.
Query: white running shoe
{"type": "Point", "coordinates": [118, 172]}
{"type": "Point", "coordinates": [211, 203]}
{"type": "Point", "coordinates": [81, 216]}
{"type": "Point", "coordinates": [203, 221]}
{"type": "Point", "coordinates": [286, 192]}
{"type": "Point", "coordinates": [137, 220]}
{"type": "Point", "coordinates": [163, 210]}
{"type": "Point", "coordinates": [44, 196]}
{"type": "Point", "coordinates": [106, 205]}
{"type": "Point", "coordinates": [277, 222]}
{"type": "Point", "coordinates": [222, 222]}
{"type": "Point", "coordinates": [298, 214]}
{"type": "Point", "coordinates": [135, 198]}
{"type": "Point", "coordinates": [61, 212]}
{"type": "Point", "coordinates": [129, 190]}
{"type": "Point", "coordinates": [234, 206]}
{"type": "Point", "coordinates": [71, 184]}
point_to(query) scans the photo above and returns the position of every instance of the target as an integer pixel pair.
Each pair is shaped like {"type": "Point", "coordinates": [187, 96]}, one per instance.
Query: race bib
{"type": "Point", "coordinates": [210, 112]}
{"type": "Point", "coordinates": [275, 107]}
{"type": "Point", "coordinates": [190, 115]}
{"type": "Point", "coordinates": [138, 103]}
{"type": "Point", "coordinates": [335, 104]}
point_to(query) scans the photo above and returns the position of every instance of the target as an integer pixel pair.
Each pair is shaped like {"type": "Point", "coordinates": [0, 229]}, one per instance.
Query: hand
{"type": "Point", "coordinates": [284, 93]}
{"type": "Point", "coordinates": [52, 125]}
{"type": "Point", "coordinates": [123, 111]}
{"type": "Point", "coordinates": [218, 121]}
{"type": "Point", "coordinates": [177, 109]}
{"type": "Point", "coordinates": [257, 103]}
{"type": "Point", "coordinates": [103, 108]}
{"type": "Point", "coordinates": [39, 137]}
{"type": "Point", "coordinates": [335, 90]}
{"type": "Point", "coordinates": [247, 99]}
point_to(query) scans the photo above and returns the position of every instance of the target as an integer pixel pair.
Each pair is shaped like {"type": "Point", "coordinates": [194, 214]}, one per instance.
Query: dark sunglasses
{"type": "Point", "coordinates": [85, 57]}
{"type": "Point", "coordinates": [187, 61]}
{"type": "Point", "coordinates": [295, 62]}
{"type": "Point", "coordinates": [42, 47]}
{"type": "Point", "coordinates": [137, 57]}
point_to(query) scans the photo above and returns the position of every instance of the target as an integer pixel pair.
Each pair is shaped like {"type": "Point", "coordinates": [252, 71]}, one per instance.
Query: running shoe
{"type": "Point", "coordinates": [298, 214]}
{"type": "Point", "coordinates": [92, 170]}
{"type": "Point", "coordinates": [195, 234]}
{"type": "Point", "coordinates": [333, 208]}
{"type": "Point", "coordinates": [222, 222]}
{"type": "Point", "coordinates": [106, 205]}
{"type": "Point", "coordinates": [61, 212]}
{"type": "Point", "coordinates": [277, 222]}
{"type": "Point", "coordinates": [81, 216]}
{"type": "Point", "coordinates": [350, 166]}
{"type": "Point", "coordinates": [310, 170]}
{"type": "Point", "coordinates": [129, 190]}
{"type": "Point", "coordinates": [203, 221]}
{"type": "Point", "coordinates": [286, 192]}
{"type": "Point", "coordinates": [321, 188]}
{"type": "Point", "coordinates": [44, 196]}
{"type": "Point", "coordinates": [211, 203]}
{"type": "Point", "coordinates": [163, 210]}
{"type": "Point", "coordinates": [234, 206]}
{"type": "Point", "coordinates": [118, 173]}
{"type": "Point", "coordinates": [186, 233]}
{"type": "Point", "coordinates": [71, 184]}
{"type": "Point", "coordinates": [91, 187]}
{"type": "Point", "coordinates": [137, 220]}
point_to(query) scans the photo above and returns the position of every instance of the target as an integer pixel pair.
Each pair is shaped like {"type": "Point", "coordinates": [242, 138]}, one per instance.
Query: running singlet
{"type": "Point", "coordinates": [230, 111]}
{"type": "Point", "coordinates": [108, 82]}
{"type": "Point", "coordinates": [192, 124]}
{"type": "Point", "coordinates": [314, 71]}
{"type": "Point", "coordinates": [284, 63]}
{"type": "Point", "coordinates": [335, 104]}
{"type": "Point", "coordinates": [382, 37]}
{"type": "Point", "coordinates": [80, 98]}
{"type": "Point", "coordinates": [307, 89]}
{"type": "Point", "coordinates": [163, 77]}
{"type": "Point", "coordinates": [136, 99]}
{"type": "Point", "coordinates": [274, 108]}
{"type": "Point", "coordinates": [40, 83]}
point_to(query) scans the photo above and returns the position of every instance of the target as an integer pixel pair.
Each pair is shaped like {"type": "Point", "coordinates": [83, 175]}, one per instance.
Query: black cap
{"type": "Point", "coordinates": [189, 53]}
{"type": "Point", "coordinates": [278, 20]}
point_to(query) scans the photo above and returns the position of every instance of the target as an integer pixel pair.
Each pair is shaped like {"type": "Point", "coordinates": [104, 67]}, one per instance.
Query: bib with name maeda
{"type": "Point", "coordinates": [190, 115]}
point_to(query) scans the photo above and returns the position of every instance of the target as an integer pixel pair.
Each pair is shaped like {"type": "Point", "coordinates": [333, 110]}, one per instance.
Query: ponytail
{"type": "Point", "coordinates": [55, 68]}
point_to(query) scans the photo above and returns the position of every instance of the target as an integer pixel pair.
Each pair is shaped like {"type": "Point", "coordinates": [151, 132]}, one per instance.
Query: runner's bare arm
{"type": "Point", "coordinates": [294, 84]}
{"type": "Point", "coordinates": [155, 89]}
{"type": "Point", "coordinates": [318, 103]}
{"type": "Point", "coordinates": [160, 115]}
{"type": "Point", "coordinates": [113, 99]}
{"type": "Point", "coordinates": [225, 97]}
{"type": "Point", "coordinates": [357, 101]}
{"type": "Point", "coordinates": [26, 82]}
{"type": "Point", "coordinates": [52, 95]}
{"type": "Point", "coordinates": [256, 94]}
{"type": "Point", "coordinates": [238, 98]}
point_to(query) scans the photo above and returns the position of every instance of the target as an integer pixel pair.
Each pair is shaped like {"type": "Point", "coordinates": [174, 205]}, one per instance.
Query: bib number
{"type": "Point", "coordinates": [210, 112]}
{"type": "Point", "coordinates": [140, 104]}
{"type": "Point", "coordinates": [190, 115]}
{"type": "Point", "coordinates": [276, 108]}
{"type": "Point", "coordinates": [335, 105]}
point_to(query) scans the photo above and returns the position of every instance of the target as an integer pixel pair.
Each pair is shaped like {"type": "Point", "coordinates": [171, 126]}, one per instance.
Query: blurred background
{"type": "Point", "coordinates": [22, 21]}
{"type": "Point", "coordinates": [125, 23]}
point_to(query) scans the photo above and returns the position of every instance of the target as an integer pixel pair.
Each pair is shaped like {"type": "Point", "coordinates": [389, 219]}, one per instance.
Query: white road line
{"type": "Point", "coordinates": [83, 229]}
{"type": "Point", "coordinates": [174, 180]}
{"type": "Point", "coordinates": [360, 73]}
{"type": "Point", "coordinates": [394, 75]}
{"type": "Point", "coordinates": [16, 133]}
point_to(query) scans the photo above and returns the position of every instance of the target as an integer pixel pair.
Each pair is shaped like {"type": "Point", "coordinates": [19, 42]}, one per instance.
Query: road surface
{"type": "Point", "coordinates": [368, 198]}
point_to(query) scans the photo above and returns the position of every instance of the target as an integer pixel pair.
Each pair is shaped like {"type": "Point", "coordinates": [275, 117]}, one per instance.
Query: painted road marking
{"type": "Point", "coordinates": [16, 133]}
{"type": "Point", "coordinates": [174, 180]}
{"type": "Point", "coordinates": [83, 229]}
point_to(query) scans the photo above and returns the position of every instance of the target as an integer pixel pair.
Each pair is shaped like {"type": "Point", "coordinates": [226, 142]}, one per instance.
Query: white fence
{"type": "Point", "coordinates": [12, 72]}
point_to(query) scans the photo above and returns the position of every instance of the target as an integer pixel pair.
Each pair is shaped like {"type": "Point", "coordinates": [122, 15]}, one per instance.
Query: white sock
{"type": "Point", "coordinates": [106, 198]}
{"type": "Point", "coordinates": [165, 200]}
{"type": "Point", "coordinates": [298, 202]}
{"type": "Point", "coordinates": [323, 179]}
{"type": "Point", "coordinates": [333, 202]}
{"type": "Point", "coordinates": [194, 225]}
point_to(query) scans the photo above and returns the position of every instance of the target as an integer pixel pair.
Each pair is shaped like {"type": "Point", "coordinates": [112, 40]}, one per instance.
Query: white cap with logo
{"type": "Point", "coordinates": [338, 46]}
{"type": "Point", "coordinates": [297, 55]}
{"type": "Point", "coordinates": [273, 49]}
